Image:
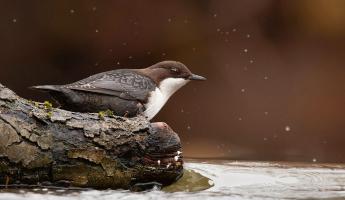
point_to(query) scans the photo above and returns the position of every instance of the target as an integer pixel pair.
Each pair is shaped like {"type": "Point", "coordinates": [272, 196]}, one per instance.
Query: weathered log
{"type": "Point", "coordinates": [41, 145]}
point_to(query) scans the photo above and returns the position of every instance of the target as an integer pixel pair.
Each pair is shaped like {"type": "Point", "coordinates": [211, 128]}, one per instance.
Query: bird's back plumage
{"type": "Point", "coordinates": [123, 83]}
{"type": "Point", "coordinates": [124, 91]}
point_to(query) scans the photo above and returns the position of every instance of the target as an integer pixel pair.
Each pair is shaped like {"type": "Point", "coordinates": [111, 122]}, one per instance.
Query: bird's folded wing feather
{"type": "Point", "coordinates": [124, 84]}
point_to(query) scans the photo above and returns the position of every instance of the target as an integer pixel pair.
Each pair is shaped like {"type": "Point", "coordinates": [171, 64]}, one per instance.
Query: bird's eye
{"type": "Point", "coordinates": [174, 69]}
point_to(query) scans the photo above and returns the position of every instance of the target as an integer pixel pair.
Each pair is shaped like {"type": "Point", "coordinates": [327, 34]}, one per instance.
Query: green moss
{"type": "Point", "coordinates": [34, 103]}
{"type": "Point", "coordinates": [47, 105]}
{"type": "Point", "coordinates": [49, 114]}
{"type": "Point", "coordinates": [106, 113]}
{"type": "Point", "coordinates": [101, 115]}
{"type": "Point", "coordinates": [109, 113]}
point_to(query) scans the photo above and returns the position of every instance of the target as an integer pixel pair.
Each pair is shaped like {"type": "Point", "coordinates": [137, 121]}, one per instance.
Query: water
{"type": "Point", "coordinates": [223, 180]}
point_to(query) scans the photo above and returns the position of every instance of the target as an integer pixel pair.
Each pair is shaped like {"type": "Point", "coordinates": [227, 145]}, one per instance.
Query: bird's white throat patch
{"type": "Point", "coordinates": [160, 96]}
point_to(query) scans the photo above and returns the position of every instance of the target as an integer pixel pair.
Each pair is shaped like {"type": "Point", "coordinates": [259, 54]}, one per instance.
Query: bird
{"type": "Point", "coordinates": [125, 92]}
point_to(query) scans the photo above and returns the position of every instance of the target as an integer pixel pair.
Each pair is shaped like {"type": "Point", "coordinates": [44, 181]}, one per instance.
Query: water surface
{"type": "Point", "coordinates": [223, 180]}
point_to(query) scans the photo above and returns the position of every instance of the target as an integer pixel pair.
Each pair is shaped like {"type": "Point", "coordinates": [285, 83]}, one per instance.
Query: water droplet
{"type": "Point", "coordinates": [218, 29]}
{"type": "Point", "coordinates": [14, 20]}
{"type": "Point", "coordinates": [130, 57]}
{"type": "Point", "coordinates": [214, 15]}
{"type": "Point", "coordinates": [251, 61]}
{"type": "Point", "coordinates": [71, 11]}
{"type": "Point", "coordinates": [234, 30]}
{"type": "Point", "coordinates": [96, 30]}
{"type": "Point", "coordinates": [248, 35]}
{"type": "Point", "coordinates": [314, 160]}
{"type": "Point", "coordinates": [243, 90]}
{"type": "Point", "coordinates": [287, 128]}
{"type": "Point", "coordinates": [265, 77]}
{"type": "Point", "coordinates": [265, 139]}
{"type": "Point", "coordinates": [176, 158]}
{"type": "Point", "coordinates": [240, 119]}
{"type": "Point", "coordinates": [189, 128]}
{"type": "Point", "coordinates": [94, 9]}
{"type": "Point", "coordinates": [266, 113]}
{"type": "Point", "coordinates": [210, 182]}
{"type": "Point", "coordinates": [118, 63]}
{"type": "Point", "coordinates": [245, 50]}
{"type": "Point", "coordinates": [169, 19]}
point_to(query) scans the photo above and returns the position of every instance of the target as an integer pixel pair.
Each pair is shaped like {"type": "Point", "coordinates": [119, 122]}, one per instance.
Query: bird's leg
{"type": "Point", "coordinates": [126, 114]}
{"type": "Point", "coordinates": [7, 181]}
{"type": "Point", "coordinates": [57, 103]}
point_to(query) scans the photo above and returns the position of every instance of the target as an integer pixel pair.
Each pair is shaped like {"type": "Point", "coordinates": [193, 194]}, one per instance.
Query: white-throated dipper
{"type": "Point", "coordinates": [126, 92]}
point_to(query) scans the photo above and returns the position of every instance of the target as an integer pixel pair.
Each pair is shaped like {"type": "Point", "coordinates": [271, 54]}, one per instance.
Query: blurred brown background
{"type": "Point", "coordinates": [275, 69]}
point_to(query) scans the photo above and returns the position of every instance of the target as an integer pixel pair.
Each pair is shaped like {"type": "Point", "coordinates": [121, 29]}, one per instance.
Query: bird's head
{"type": "Point", "coordinates": [171, 76]}
{"type": "Point", "coordinates": [172, 70]}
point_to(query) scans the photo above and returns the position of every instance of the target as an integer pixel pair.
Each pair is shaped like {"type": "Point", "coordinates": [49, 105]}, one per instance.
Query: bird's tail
{"type": "Point", "coordinates": [46, 88]}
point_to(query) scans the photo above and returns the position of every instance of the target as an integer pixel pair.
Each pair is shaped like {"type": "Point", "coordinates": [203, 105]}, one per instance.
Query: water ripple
{"type": "Point", "coordinates": [232, 180]}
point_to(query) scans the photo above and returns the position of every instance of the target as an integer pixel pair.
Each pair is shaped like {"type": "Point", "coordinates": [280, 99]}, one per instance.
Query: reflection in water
{"type": "Point", "coordinates": [235, 180]}
{"type": "Point", "coordinates": [191, 181]}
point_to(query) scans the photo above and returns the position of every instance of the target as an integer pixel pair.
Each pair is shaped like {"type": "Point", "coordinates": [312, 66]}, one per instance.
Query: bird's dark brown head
{"type": "Point", "coordinates": [171, 69]}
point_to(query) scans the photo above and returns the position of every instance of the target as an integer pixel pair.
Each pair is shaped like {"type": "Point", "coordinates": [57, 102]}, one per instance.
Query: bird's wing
{"type": "Point", "coordinates": [125, 84]}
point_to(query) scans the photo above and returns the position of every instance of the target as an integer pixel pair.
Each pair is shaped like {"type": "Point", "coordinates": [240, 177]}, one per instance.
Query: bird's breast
{"type": "Point", "coordinates": [161, 94]}
{"type": "Point", "coordinates": [155, 102]}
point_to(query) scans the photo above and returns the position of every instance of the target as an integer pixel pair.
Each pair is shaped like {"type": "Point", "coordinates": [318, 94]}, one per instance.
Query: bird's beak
{"type": "Point", "coordinates": [197, 77]}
